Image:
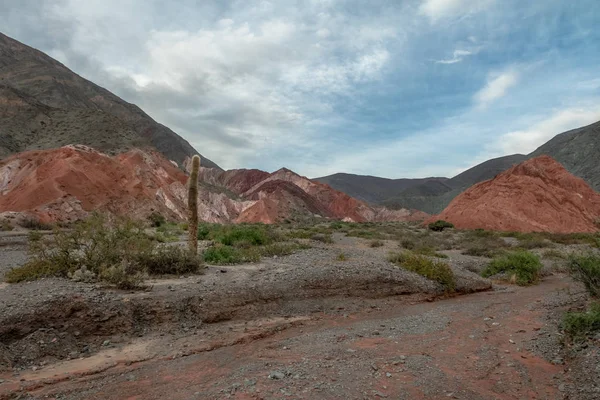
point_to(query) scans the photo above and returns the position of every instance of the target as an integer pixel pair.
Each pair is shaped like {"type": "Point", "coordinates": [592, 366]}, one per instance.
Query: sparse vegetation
{"type": "Point", "coordinates": [440, 225]}
{"type": "Point", "coordinates": [376, 243]}
{"type": "Point", "coordinates": [522, 267]}
{"type": "Point", "coordinates": [580, 325]}
{"type": "Point", "coordinates": [586, 269]}
{"type": "Point", "coordinates": [341, 257]}
{"type": "Point", "coordinates": [156, 219]}
{"type": "Point", "coordinates": [324, 238]}
{"type": "Point", "coordinates": [35, 224]}
{"type": "Point", "coordinates": [435, 270]}
{"type": "Point", "coordinates": [113, 249]}
{"type": "Point", "coordinates": [221, 255]}
{"type": "Point", "coordinates": [553, 253]}
{"type": "Point", "coordinates": [6, 226]}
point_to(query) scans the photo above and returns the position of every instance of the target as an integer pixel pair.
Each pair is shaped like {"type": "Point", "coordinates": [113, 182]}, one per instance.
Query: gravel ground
{"type": "Point", "coordinates": [300, 326]}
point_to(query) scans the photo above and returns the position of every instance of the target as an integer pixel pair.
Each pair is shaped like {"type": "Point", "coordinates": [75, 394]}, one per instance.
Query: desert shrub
{"type": "Point", "coordinates": [522, 266]}
{"type": "Point", "coordinates": [365, 234]}
{"type": "Point", "coordinates": [111, 248]}
{"type": "Point", "coordinates": [336, 225]}
{"type": "Point", "coordinates": [6, 226]}
{"type": "Point", "coordinates": [429, 251]}
{"type": "Point", "coordinates": [435, 270]}
{"type": "Point", "coordinates": [124, 276]}
{"type": "Point", "coordinates": [376, 243]}
{"type": "Point", "coordinates": [171, 260]}
{"type": "Point", "coordinates": [35, 224]}
{"type": "Point", "coordinates": [579, 325]}
{"type": "Point", "coordinates": [484, 246]}
{"type": "Point", "coordinates": [440, 225]}
{"type": "Point", "coordinates": [33, 270]}
{"type": "Point", "coordinates": [156, 219]}
{"type": "Point", "coordinates": [586, 269]}
{"type": "Point", "coordinates": [535, 243]}
{"type": "Point", "coordinates": [482, 233]}
{"type": "Point", "coordinates": [319, 237]}
{"type": "Point", "coordinates": [407, 244]}
{"type": "Point", "coordinates": [341, 257]}
{"type": "Point", "coordinates": [281, 249]}
{"type": "Point", "coordinates": [222, 255]}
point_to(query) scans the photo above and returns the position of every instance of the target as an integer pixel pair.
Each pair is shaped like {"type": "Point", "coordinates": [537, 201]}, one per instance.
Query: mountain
{"type": "Point", "coordinates": [578, 151]}
{"type": "Point", "coordinates": [45, 105]}
{"type": "Point", "coordinates": [372, 189]}
{"type": "Point", "coordinates": [67, 183]}
{"type": "Point", "coordinates": [536, 195]}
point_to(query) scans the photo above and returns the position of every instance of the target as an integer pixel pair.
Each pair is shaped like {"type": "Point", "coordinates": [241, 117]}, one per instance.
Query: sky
{"type": "Point", "coordinates": [397, 89]}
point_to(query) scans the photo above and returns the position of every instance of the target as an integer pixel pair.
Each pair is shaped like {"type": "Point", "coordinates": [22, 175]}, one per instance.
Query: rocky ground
{"type": "Point", "coordinates": [300, 326]}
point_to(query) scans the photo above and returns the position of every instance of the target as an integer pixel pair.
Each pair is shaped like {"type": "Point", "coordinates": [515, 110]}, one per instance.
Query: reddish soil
{"type": "Point", "coordinates": [536, 195]}
{"type": "Point", "coordinates": [468, 347]}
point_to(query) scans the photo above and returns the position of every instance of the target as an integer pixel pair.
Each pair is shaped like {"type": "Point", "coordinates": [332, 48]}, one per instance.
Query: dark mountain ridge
{"type": "Point", "coordinates": [45, 105]}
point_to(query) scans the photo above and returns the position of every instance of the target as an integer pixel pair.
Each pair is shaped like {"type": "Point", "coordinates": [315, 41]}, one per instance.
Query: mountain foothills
{"type": "Point", "coordinates": [44, 105]}
{"type": "Point", "coordinates": [67, 183]}
{"type": "Point", "coordinates": [577, 150]}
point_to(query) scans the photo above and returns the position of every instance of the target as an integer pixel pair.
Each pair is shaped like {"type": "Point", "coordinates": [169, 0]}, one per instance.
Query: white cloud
{"type": "Point", "coordinates": [436, 10]}
{"type": "Point", "coordinates": [527, 140]}
{"type": "Point", "coordinates": [457, 57]}
{"type": "Point", "coordinates": [496, 87]}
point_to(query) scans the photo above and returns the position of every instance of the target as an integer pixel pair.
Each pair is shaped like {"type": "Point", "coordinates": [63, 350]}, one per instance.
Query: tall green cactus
{"type": "Point", "coordinates": [193, 206]}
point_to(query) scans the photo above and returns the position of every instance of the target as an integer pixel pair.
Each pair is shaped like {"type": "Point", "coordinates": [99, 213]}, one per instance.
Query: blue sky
{"type": "Point", "coordinates": [388, 88]}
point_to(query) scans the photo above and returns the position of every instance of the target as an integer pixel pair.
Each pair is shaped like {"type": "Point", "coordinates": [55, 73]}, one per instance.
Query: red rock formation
{"type": "Point", "coordinates": [67, 183]}
{"type": "Point", "coordinates": [536, 195]}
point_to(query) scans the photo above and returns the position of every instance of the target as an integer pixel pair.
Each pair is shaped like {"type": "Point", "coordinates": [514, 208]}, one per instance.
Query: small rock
{"type": "Point", "coordinates": [388, 374]}
{"type": "Point", "coordinates": [511, 341]}
{"type": "Point", "coordinates": [276, 375]}
{"type": "Point", "coordinates": [106, 343]}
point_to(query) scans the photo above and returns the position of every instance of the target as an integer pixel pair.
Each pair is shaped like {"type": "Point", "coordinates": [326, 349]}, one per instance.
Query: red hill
{"type": "Point", "coordinates": [536, 195]}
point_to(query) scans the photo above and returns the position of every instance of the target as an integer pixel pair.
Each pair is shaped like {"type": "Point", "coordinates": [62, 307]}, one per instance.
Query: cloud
{"type": "Point", "coordinates": [496, 87]}
{"type": "Point", "coordinates": [436, 10]}
{"type": "Point", "coordinates": [527, 140]}
{"type": "Point", "coordinates": [457, 57]}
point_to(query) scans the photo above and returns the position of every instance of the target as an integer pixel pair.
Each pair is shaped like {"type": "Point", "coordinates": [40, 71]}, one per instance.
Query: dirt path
{"type": "Point", "coordinates": [468, 347]}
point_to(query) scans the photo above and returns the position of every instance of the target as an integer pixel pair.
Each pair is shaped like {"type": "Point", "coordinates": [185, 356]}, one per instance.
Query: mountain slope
{"type": "Point", "coordinates": [536, 195]}
{"type": "Point", "coordinates": [45, 105]}
{"type": "Point", "coordinates": [68, 183]}
{"type": "Point", "coordinates": [373, 189]}
{"type": "Point", "coordinates": [578, 151]}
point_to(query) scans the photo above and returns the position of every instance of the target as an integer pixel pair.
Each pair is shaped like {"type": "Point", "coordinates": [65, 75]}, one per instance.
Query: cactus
{"type": "Point", "coordinates": [193, 206]}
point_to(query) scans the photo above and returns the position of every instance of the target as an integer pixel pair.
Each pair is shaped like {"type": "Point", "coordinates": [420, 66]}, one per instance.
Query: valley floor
{"type": "Point", "coordinates": [376, 335]}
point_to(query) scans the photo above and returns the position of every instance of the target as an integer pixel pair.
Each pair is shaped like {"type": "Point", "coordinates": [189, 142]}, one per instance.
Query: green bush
{"type": "Point", "coordinates": [579, 325]}
{"type": "Point", "coordinates": [440, 225]}
{"type": "Point", "coordinates": [223, 255]}
{"type": "Point", "coordinates": [435, 270]}
{"type": "Point", "coordinates": [169, 260]}
{"type": "Point", "coordinates": [111, 248]}
{"type": "Point", "coordinates": [322, 238]}
{"type": "Point", "coordinates": [522, 266]}
{"type": "Point", "coordinates": [156, 219]}
{"type": "Point", "coordinates": [6, 226]}
{"type": "Point", "coordinates": [586, 269]}
{"type": "Point", "coordinates": [238, 235]}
